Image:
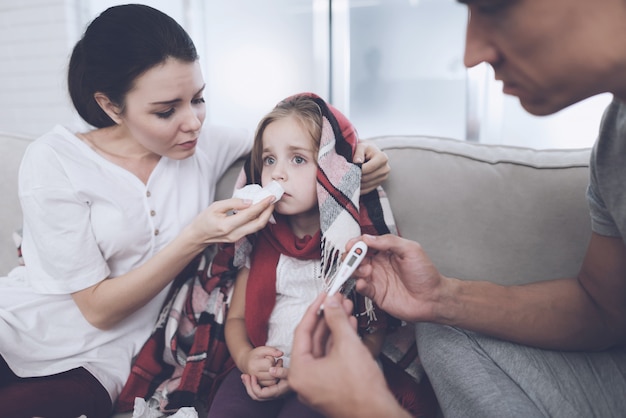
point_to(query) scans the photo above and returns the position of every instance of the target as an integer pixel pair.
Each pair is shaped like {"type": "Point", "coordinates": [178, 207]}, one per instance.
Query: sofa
{"type": "Point", "coordinates": [505, 214]}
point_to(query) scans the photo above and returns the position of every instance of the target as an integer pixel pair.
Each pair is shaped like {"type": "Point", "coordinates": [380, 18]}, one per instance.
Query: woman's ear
{"type": "Point", "coordinates": [110, 108]}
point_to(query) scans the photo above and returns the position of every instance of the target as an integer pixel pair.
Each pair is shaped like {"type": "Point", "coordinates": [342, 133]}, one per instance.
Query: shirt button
{"type": "Point", "coordinates": [156, 232]}
{"type": "Point", "coordinates": [148, 193]}
{"type": "Point", "coordinates": [152, 213]}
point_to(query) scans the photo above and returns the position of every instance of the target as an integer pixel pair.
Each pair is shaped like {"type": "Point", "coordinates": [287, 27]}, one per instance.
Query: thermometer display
{"type": "Point", "coordinates": [350, 263]}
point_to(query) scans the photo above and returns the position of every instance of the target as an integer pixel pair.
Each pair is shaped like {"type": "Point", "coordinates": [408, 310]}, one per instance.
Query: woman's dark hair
{"type": "Point", "coordinates": [119, 45]}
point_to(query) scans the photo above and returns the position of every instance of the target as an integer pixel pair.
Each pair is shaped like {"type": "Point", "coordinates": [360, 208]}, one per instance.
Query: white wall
{"type": "Point", "coordinates": [34, 46]}
{"type": "Point", "coordinates": [36, 40]}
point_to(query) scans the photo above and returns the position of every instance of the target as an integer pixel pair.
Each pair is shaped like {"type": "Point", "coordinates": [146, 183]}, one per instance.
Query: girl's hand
{"type": "Point", "coordinates": [259, 392]}
{"type": "Point", "coordinates": [258, 363]}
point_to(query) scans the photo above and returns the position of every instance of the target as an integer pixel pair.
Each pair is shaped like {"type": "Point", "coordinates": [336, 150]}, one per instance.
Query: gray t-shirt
{"type": "Point", "coordinates": [607, 188]}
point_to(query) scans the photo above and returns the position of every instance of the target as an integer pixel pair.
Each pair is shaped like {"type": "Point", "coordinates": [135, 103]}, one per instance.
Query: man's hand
{"type": "Point", "coordinates": [399, 277]}
{"type": "Point", "coordinates": [332, 370]}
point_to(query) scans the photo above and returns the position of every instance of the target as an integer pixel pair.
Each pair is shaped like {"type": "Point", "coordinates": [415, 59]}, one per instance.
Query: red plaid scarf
{"type": "Point", "coordinates": [175, 374]}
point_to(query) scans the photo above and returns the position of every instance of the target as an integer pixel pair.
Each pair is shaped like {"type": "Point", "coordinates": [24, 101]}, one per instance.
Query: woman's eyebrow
{"type": "Point", "coordinates": [168, 102]}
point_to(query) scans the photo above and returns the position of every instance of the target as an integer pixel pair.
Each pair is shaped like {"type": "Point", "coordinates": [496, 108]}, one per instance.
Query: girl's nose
{"type": "Point", "coordinates": [279, 173]}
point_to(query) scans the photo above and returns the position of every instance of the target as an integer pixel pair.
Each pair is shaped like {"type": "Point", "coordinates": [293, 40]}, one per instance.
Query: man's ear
{"type": "Point", "coordinates": [110, 108]}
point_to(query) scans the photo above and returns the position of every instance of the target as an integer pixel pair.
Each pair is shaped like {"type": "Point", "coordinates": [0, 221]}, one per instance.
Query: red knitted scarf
{"type": "Point", "coordinates": [274, 240]}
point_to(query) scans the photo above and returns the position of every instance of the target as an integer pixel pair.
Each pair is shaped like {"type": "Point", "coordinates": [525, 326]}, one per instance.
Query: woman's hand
{"type": "Point", "coordinates": [231, 219]}
{"type": "Point", "coordinates": [375, 168]}
{"type": "Point", "coordinates": [108, 302]}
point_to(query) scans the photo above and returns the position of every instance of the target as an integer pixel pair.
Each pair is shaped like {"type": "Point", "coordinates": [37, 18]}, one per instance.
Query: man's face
{"type": "Point", "coordinates": [549, 53]}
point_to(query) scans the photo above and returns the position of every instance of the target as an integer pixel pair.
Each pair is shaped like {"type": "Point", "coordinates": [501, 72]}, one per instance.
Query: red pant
{"type": "Point", "coordinates": [64, 395]}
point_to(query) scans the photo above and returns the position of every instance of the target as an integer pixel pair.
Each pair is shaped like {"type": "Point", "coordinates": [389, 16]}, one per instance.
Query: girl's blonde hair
{"type": "Point", "coordinates": [306, 112]}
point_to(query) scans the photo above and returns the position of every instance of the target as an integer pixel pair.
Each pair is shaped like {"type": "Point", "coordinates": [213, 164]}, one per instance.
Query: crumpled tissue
{"type": "Point", "coordinates": [143, 410]}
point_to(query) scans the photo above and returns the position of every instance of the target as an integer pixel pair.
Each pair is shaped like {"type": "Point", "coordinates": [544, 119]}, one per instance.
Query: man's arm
{"type": "Point", "coordinates": [603, 276]}
{"type": "Point", "coordinates": [587, 312]}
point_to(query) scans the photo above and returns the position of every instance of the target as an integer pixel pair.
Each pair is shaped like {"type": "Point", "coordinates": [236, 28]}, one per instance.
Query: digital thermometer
{"type": "Point", "coordinates": [349, 264]}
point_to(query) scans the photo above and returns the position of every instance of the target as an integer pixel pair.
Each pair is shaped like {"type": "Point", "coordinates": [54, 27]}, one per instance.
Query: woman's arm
{"type": "Point", "coordinates": [110, 301]}
{"type": "Point", "coordinates": [68, 244]}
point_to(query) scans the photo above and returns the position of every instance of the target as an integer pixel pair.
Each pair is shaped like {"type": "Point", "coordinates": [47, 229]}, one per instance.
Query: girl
{"type": "Point", "coordinates": [306, 145]}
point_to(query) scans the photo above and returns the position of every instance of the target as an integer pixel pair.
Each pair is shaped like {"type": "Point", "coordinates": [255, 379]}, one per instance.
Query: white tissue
{"type": "Point", "coordinates": [257, 193]}
{"type": "Point", "coordinates": [142, 410]}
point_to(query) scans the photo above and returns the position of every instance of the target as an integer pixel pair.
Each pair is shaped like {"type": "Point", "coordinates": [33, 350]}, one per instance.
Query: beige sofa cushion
{"type": "Point", "coordinates": [503, 214]}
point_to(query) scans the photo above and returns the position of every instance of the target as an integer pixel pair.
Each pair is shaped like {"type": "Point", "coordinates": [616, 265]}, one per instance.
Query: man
{"type": "Point", "coordinates": [557, 346]}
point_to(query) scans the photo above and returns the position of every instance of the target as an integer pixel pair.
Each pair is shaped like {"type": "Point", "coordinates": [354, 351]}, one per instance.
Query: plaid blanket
{"type": "Point", "coordinates": [186, 356]}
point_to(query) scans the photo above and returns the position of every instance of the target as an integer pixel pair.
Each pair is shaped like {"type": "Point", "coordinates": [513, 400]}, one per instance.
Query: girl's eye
{"type": "Point", "coordinates": [299, 160]}
{"type": "Point", "coordinates": [199, 100]}
{"type": "Point", "coordinates": [166, 114]}
{"type": "Point", "coordinates": [268, 160]}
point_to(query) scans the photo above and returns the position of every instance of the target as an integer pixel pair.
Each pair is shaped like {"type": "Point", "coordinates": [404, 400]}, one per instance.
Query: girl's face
{"type": "Point", "coordinates": [165, 109]}
{"type": "Point", "coordinates": [290, 157]}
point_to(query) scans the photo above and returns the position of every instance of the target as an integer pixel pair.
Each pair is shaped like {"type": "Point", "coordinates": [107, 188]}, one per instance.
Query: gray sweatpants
{"type": "Point", "coordinates": [478, 376]}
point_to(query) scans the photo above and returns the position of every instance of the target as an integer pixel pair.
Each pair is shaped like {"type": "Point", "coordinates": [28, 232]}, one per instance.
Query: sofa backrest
{"type": "Point", "coordinates": [504, 214]}
{"type": "Point", "coordinates": [485, 212]}
{"type": "Point", "coordinates": [12, 149]}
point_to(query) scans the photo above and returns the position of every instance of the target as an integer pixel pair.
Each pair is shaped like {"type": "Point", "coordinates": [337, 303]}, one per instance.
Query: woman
{"type": "Point", "coordinates": [112, 215]}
